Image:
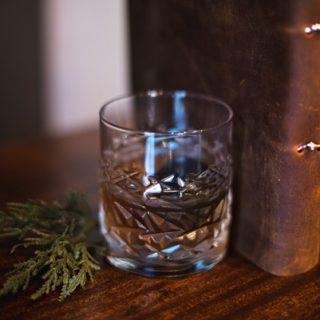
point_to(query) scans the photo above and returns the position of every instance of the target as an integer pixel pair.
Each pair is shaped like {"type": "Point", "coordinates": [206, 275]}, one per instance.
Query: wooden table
{"type": "Point", "coordinates": [234, 289]}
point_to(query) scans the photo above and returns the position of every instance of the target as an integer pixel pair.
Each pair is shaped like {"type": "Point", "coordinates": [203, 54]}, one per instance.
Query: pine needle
{"type": "Point", "coordinates": [59, 235]}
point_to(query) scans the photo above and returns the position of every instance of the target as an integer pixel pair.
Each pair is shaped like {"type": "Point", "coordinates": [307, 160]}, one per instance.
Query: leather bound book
{"type": "Point", "coordinates": [262, 57]}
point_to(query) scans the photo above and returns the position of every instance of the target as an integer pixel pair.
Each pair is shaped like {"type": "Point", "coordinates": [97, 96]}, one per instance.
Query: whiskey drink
{"type": "Point", "coordinates": [165, 182]}
{"type": "Point", "coordinates": [166, 222]}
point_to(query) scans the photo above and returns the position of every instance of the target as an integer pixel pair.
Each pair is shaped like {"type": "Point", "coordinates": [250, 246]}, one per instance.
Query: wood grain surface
{"type": "Point", "coordinates": [234, 289]}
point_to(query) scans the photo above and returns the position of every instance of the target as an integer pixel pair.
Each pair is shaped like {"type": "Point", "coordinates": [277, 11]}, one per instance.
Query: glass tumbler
{"type": "Point", "coordinates": [165, 182]}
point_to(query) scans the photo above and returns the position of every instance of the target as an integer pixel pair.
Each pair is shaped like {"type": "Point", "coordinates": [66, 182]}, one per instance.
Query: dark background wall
{"type": "Point", "coordinates": [20, 69]}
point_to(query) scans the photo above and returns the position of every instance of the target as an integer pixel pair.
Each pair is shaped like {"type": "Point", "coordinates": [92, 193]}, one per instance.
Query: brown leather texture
{"type": "Point", "coordinates": [256, 56]}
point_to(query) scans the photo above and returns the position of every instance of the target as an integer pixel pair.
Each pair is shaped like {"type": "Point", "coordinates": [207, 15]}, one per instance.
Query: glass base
{"type": "Point", "coordinates": [167, 271]}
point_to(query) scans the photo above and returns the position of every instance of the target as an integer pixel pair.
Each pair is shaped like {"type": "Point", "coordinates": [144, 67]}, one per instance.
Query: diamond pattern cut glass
{"type": "Point", "coordinates": [166, 172]}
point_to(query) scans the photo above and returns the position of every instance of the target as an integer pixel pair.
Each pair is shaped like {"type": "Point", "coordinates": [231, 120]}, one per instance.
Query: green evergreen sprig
{"type": "Point", "coordinates": [59, 235]}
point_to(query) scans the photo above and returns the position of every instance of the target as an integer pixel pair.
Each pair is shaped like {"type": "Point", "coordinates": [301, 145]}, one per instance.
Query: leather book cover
{"type": "Point", "coordinates": [261, 57]}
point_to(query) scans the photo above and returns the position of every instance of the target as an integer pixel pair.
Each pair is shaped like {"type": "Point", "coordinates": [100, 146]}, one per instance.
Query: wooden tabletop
{"type": "Point", "coordinates": [234, 289]}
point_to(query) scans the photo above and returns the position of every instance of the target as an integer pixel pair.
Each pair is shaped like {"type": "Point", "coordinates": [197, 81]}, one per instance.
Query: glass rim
{"type": "Point", "coordinates": [158, 93]}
